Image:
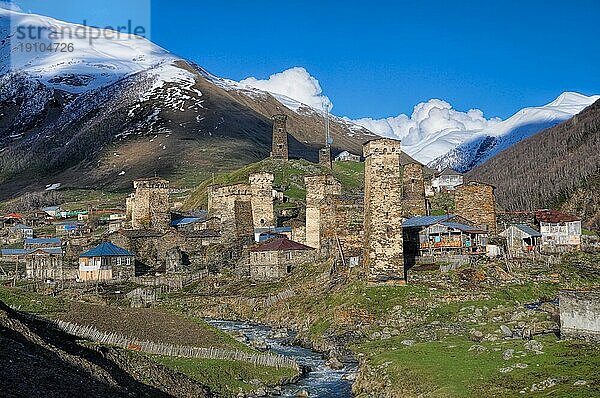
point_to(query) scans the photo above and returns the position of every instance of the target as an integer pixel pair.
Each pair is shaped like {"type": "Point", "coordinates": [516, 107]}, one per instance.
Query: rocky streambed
{"type": "Point", "coordinates": [325, 379]}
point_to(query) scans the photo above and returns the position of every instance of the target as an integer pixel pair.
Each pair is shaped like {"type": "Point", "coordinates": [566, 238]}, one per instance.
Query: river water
{"type": "Point", "coordinates": [321, 381]}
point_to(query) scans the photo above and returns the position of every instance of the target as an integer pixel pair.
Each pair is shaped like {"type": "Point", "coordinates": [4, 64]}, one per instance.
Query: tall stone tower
{"type": "Point", "coordinates": [280, 137]}
{"type": "Point", "coordinates": [261, 187]}
{"type": "Point", "coordinates": [413, 191]}
{"type": "Point", "coordinates": [476, 202]}
{"type": "Point", "coordinates": [317, 188]}
{"type": "Point", "coordinates": [149, 206]}
{"type": "Point", "coordinates": [325, 157]}
{"type": "Point", "coordinates": [383, 250]}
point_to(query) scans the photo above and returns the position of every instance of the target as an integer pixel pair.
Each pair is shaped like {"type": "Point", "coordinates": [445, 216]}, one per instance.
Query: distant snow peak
{"type": "Point", "coordinates": [521, 125]}
{"type": "Point", "coordinates": [433, 129]}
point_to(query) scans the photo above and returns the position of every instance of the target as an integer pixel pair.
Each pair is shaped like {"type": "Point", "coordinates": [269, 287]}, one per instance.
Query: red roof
{"type": "Point", "coordinates": [553, 216]}
{"type": "Point", "coordinates": [14, 215]}
{"type": "Point", "coordinates": [279, 244]}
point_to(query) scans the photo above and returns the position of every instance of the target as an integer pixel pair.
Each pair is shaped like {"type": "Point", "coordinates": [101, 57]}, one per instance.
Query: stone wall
{"type": "Point", "coordinates": [413, 190]}
{"type": "Point", "coordinates": [280, 138]}
{"type": "Point", "coordinates": [342, 228]}
{"type": "Point", "coordinates": [317, 188]}
{"type": "Point", "coordinates": [232, 204]}
{"type": "Point", "coordinates": [383, 243]}
{"type": "Point", "coordinates": [149, 206]}
{"type": "Point", "coordinates": [261, 187]}
{"type": "Point", "coordinates": [580, 314]}
{"type": "Point", "coordinates": [272, 265]}
{"type": "Point", "coordinates": [476, 202]}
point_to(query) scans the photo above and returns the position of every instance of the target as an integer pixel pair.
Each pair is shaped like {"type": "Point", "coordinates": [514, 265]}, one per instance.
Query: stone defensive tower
{"type": "Point", "coordinates": [413, 191]}
{"type": "Point", "coordinates": [383, 242]}
{"type": "Point", "coordinates": [325, 157]}
{"type": "Point", "coordinates": [317, 188]}
{"type": "Point", "coordinates": [232, 204]}
{"type": "Point", "coordinates": [261, 187]}
{"type": "Point", "coordinates": [476, 202]}
{"type": "Point", "coordinates": [149, 206]}
{"type": "Point", "coordinates": [280, 137]}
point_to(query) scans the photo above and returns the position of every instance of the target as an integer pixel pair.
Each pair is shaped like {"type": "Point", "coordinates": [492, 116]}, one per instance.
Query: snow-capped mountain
{"type": "Point", "coordinates": [112, 110]}
{"type": "Point", "coordinates": [526, 122]}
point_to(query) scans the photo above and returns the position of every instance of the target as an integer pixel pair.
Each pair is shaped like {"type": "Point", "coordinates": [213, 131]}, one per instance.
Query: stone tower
{"type": "Point", "coordinates": [383, 243]}
{"type": "Point", "coordinates": [317, 188]}
{"type": "Point", "coordinates": [476, 202]}
{"type": "Point", "coordinates": [280, 137]}
{"type": "Point", "coordinates": [325, 157]}
{"type": "Point", "coordinates": [413, 191]}
{"type": "Point", "coordinates": [232, 204]}
{"type": "Point", "coordinates": [261, 187]}
{"type": "Point", "coordinates": [149, 206]}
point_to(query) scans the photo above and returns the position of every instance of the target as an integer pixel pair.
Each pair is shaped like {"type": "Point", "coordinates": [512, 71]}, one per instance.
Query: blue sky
{"type": "Point", "coordinates": [379, 58]}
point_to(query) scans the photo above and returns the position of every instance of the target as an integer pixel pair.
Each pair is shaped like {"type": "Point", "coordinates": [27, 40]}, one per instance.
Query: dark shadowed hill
{"type": "Point", "coordinates": [559, 166]}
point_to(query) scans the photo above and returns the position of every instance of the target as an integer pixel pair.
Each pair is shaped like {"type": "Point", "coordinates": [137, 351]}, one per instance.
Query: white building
{"type": "Point", "coordinates": [558, 229]}
{"type": "Point", "coordinates": [447, 180]}
{"type": "Point", "coordinates": [346, 156]}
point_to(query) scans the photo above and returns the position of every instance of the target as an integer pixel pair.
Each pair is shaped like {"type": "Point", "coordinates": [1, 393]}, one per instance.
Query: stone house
{"type": "Point", "coordinates": [447, 180]}
{"type": "Point", "coordinates": [45, 263]}
{"type": "Point", "coordinates": [37, 243]}
{"type": "Point", "coordinates": [558, 229]}
{"type": "Point", "coordinates": [18, 233]}
{"type": "Point", "coordinates": [106, 262]}
{"type": "Point", "coordinates": [521, 239]}
{"type": "Point", "coordinates": [276, 258]}
{"type": "Point", "coordinates": [71, 228]}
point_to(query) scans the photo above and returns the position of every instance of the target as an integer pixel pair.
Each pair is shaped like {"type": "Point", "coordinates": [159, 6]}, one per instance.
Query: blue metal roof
{"type": "Point", "coordinates": [107, 249]}
{"type": "Point", "coordinates": [22, 226]}
{"type": "Point", "coordinates": [528, 230]}
{"type": "Point", "coordinates": [462, 227]}
{"type": "Point", "coordinates": [14, 252]}
{"type": "Point", "coordinates": [425, 221]}
{"type": "Point", "coordinates": [185, 221]}
{"type": "Point", "coordinates": [43, 241]}
{"type": "Point", "coordinates": [23, 252]}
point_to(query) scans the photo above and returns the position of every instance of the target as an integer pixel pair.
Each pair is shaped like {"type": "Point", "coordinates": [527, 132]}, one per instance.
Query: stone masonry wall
{"type": "Point", "coordinates": [580, 314]}
{"type": "Point", "coordinates": [413, 190]}
{"type": "Point", "coordinates": [383, 243]}
{"type": "Point", "coordinates": [149, 206]}
{"type": "Point", "coordinates": [476, 202]}
{"type": "Point", "coordinates": [317, 188]}
{"type": "Point", "coordinates": [261, 187]}
{"type": "Point", "coordinates": [232, 204]}
{"type": "Point", "coordinates": [325, 157]}
{"type": "Point", "coordinates": [342, 223]}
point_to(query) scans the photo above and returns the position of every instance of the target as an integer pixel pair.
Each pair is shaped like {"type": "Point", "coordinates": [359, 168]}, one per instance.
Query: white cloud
{"type": "Point", "coordinates": [429, 119]}
{"type": "Point", "coordinates": [295, 83]}
{"type": "Point", "coordinates": [10, 5]}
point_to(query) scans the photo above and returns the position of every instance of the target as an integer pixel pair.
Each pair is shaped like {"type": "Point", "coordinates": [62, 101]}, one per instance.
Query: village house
{"type": "Point", "coordinates": [18, 233]}
{"type": "Point", "coordinates": [558, 229]}
{"type": "Point", "coordinates": [263, 234]}
{"type": "Point", "coordinates": [435, 238]}
{"type": "Point", "coordinates": [53, 211]}
{"type": "Point", "coordinates": [276, 258]}
{"type": "Point", "coordinates": [346, 156]}
{"type": "Point", "coordinates": [447, 180]}
{"type": "Point", "coordinates": [71, 228]}
{"type": "Point", "coordinates": [38, 243]}
{"type": "Point", "coordinates": [105, 262]}
{"type": "Point", "coordinates": [521, 238]}
{"type": "Point", "coordinates": [45, 264]}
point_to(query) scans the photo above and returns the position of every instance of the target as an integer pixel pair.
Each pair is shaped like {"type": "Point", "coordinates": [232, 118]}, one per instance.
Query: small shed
{"type": "Point", "coordinates": [105, 262]}
{"type": "Point", "coordinates": [521, 238]}
{"type": "Point", "coordinates": [276, 258]}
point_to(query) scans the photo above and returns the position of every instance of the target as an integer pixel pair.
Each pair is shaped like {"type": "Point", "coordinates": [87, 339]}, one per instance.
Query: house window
{"type": "Point", "coordinates": [128, 260]}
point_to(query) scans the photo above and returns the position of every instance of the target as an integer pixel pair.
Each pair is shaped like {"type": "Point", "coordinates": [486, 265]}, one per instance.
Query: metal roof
{"type": "Point", "coordinates": [23, 252]}
{"type": "Point", "coordinates": [185, 221]}
{"type": "Point", "coordinates": [425, 221]}
{"type": "Point", "coordinates": [43, 241]}
{"type": "Point", "coordinates": [528, 230]}
{"type": "Point", "coordinates": [14, 252]}
{"type": "Point", "coordinates": [279, 244]}
{"type": "Point", "coordinates": [107, 249]}
{"type": "Point", "coordinates": [463, 227]}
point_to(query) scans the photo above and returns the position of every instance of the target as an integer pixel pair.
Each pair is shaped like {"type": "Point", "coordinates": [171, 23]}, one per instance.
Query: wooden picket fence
{"type": "Point", "coordinates": [257, 359]}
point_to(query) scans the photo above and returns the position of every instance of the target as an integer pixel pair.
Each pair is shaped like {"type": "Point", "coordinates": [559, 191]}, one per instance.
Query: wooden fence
{"type": "Point", "coordinates": [257, 359]}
